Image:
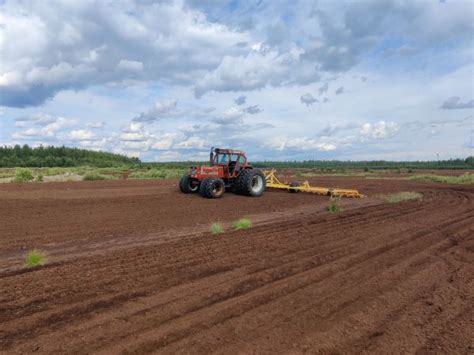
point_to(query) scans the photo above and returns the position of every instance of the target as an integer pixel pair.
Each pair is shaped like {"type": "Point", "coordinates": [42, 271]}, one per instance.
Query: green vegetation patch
{"type": "Point", "coordinates": [54, 171]}
{"type": "Point", "coordinates": [161, 173]}
{"type": "Point", "coordinates": [95, 177]}
{"type": "Point", "coordinates": [401, 196]}
{"type": "Point", "coordinates": [242, 223]}
{"type": "Point", "coordinates": [334, 204]}
{"type": "Point", "coordinates": [216, 228]}
{"type": "Point", "coordinates": [35, 258]}
{"type": "Point", "coordinates": [23, 175]}
{"type": "Point", "coordinates": [466, 178]}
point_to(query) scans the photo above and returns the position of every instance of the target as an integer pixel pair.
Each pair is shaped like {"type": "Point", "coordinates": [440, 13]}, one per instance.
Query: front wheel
{"type": "Point", "coordinates": [212, 188]}
{"type": "Point", "coordinates": [188, 185]}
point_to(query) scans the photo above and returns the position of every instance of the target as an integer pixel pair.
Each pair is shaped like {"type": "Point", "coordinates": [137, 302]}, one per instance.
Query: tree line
{"type": "Point", "coordinates": [25, 156]}
{"type": "Point", "coordinates": [467, 163]}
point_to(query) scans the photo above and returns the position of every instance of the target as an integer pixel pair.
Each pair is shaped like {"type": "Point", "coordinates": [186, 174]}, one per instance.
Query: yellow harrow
{"type": "Point", "coordinates": [274, 182]}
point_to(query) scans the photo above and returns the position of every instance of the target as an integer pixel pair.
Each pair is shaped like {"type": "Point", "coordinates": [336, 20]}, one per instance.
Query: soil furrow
{"type": "Point", "coordinates": [134, 270]}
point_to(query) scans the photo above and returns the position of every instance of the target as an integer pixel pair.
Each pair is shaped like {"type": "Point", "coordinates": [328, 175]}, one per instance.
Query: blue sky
{"type": "Point", "coordinates": [282, 80]}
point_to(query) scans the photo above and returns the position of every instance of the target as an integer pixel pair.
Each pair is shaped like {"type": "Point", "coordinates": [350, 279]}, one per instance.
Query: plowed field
{"type": "Point", "coordinates": [132, 269]}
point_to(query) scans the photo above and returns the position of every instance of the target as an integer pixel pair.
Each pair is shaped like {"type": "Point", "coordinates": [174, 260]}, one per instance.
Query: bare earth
{"type": "Point", "coordinates": [132, 269]}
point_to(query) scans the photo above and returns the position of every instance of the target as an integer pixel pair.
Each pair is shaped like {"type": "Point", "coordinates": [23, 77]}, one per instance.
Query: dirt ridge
{"type": "Point", "coordinates": [375, 277]}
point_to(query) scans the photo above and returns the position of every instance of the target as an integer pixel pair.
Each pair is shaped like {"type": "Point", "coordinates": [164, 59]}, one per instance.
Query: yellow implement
{"type": "Point", "coordinates": [274, 182]}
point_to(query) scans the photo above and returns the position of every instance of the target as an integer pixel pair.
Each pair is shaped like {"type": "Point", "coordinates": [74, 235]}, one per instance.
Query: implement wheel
{"type": "Point", "coordinates": [188, 185]}
{"type": "Point", "coordinates": [294, 184]}
{"type": "Point", "coordinates": [212, 188]}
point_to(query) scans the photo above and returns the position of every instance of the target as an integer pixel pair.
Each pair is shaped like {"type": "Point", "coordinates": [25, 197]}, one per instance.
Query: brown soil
{"type": "Point", "coordinates": [133, 269]}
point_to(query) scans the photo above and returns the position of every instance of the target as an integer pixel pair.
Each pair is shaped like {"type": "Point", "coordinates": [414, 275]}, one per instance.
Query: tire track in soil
{"type": "Point", "coordinates": [134, 267]}
{"type": "Point", "coordinates": [298, 289]}
{"type": "Point", "coordinates": [199, 289]}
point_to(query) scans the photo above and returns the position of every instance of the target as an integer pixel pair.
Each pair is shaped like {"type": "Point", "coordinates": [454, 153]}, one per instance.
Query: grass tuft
{"type": "Point", "coordinates": [334, 204]}
{"type": "Point", "coordinates": [39, 178]}
{"type": "Point", "coordinates": [23, 175]}
{"type": "Point", "coordinates": [35, 258]}
{"type": "Point", "coordinates": [54, 171]}
{"type": "Point", "coordinates": [94, 177]}
{"type": "Point", "coordinates": [466, 178]}
{"type": "Point", "coordinates": [401, 196]}
{"type": "Point", "coordinates": [242, 223]}
{"type": "Point", "coordinates": [216, 228]}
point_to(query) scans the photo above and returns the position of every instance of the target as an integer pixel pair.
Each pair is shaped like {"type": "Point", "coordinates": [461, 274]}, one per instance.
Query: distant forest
{"type": "Point", "coordinates": [25, 156]}
{"type": "Point", "coordinates": [467, 163]}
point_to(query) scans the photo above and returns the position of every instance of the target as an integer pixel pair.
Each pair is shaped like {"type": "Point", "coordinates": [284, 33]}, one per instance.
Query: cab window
{"type": "Point", "coordinates": [241, 159]}
{"type": "Point", "coordinates": [222, 159]}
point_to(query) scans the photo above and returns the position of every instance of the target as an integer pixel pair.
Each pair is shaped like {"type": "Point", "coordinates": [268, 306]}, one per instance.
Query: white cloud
{"type": "Point", "coordinates": [43, 54]}
{"type": "Point", "coordinates": [379, 130]}
{"type": "Point", "coordinates": [130, 65]}
{"type": "Point", "coordinates": [133, 136]}
{"type": "Point", "coordinates": [134, 132]}
{"type": "Point", "coordinates": [168, 156]}
{"type": "Point", "coordinates": [115, 62]}
{"type": "Point", "coordinates": [48, 128]}
{"type": "Point", "coordinates": [134, 127]}
{"type": "Point", "coordinates": [96, 125]}
{"type": "Point", "coordinates": [164, 141]}
{"type": "Point", "coordinates": [252, 71]}
{"type": "Point", "coordinates": [81, 135]}
{"type": "Point", "coordinates": [340, 90]}
{"type": "Point", "coordinates": [253, 110]}
{"type": "Point", "coordinates": [240, 100]}
{"type": "Point", "coordinates": [193, 142]}
{"type": "Point", "coordinates": [256, 70]}
{"type": "Point", "coordinates": [308, 99]}
{"type": "Point", "coordinates": [455, 103]}
{"type": "Point", "coordinates": [112, 43]}
{"type": "Point", "coordinates": [323, 89]}
{"type": "Point", "coordinates": [136, 137]}
{"type": "Point", "coordinates": [232, 113]}
{"type": "Point", "coordinates": [303, 143]}
{"type": "Point", "coordinates": [39, 119]}
{"type": "Point", "coordinates": [158, 111]}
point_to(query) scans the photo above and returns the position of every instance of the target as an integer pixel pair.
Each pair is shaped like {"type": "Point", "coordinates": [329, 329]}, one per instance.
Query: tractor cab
{"type": "Point", "coordinates": [231, 160]}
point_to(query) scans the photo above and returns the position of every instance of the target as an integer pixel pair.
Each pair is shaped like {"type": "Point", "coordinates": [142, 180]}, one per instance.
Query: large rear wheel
{"type": "Point", "coordinates": [250, 182]}
{"type": "Point", "coordinates": [212, 188]}
{"type": "Point", "coordinates": [188, 185]}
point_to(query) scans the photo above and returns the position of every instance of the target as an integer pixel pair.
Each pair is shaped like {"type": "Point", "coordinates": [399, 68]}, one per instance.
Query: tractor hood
{"type": "Point", "coordinates": [207, 171]}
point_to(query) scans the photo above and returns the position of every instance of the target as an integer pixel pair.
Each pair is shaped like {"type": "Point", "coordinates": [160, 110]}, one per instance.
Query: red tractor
{"type": "Point", "coordinates": [228, 170]}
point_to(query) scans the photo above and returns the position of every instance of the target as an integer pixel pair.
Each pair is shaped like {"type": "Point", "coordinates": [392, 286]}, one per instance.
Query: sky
{"type": "Point", "coordinates": [281, 80]}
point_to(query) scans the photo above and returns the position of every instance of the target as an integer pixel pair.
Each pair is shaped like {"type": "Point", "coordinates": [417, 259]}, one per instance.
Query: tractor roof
{"type": "Point", "coordinates": [228, 151]}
